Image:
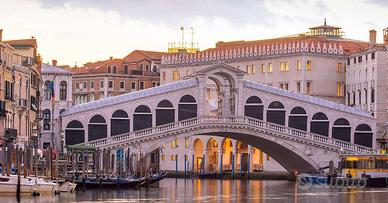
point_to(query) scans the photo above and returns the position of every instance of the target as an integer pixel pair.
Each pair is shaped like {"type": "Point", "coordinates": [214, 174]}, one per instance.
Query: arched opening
{"type": "Point", "coordinates": [63, 90]}
{"type": "Point", "coordinates": [212, 155]}
{"type": "Point", "coordinates": [97, 128]}
{"type": "Point", "coordinates": [242, 156]}
{"type": "Point", "coordinates": [165, 113]}
{"type": "Point", "coordinates": [341, 130]}
{"type": "Point", "coordinates": [227, 154]}
{"type": "Point", "coordinates": [119, 123]}
{"type": "Point", "coordinates": [142, 118]}
{"type": "Point", "coordinates": [254, 108]}
{"type": "Point", "coordinates": [74, 133]}
{"type": "Point", "coordinates": [298, 118]}
{"type": "Point", "coordinates": [187, 108]}
{"type": "Point", "coordinates": [47, 90]}
{"type": "Point", "coordinates": [213, 92]}
{"type": "Point", "coordinates": [276, 113]}
{"type": "Point", "coordinates": [198, 155]}
{"type": "Point", "coordinates": [320, 124]}
{"type": "Point", "coordinates": [257, 159]}
{"type": "Point", "coordinates": [363, 135]}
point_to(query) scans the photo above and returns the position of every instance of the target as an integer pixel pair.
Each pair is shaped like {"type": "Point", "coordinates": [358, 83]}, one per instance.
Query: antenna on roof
{"type": "Point", "coordinates": [183, 36]}
{"type": "Point", "coordinates": [324, 23]}
{"type": "Point", "coordinates": [192, 37]}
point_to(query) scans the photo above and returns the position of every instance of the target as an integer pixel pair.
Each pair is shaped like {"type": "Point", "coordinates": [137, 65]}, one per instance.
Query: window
{"type": "Point", "coordinates": [373, 56]}
{"type": "Point", "coordinates": [85, 86]}
{"type": "Point", "coordinates": [125, 69]}
{"type": "Point", "coordinates": [354, 60]}
{"type": "Point", "coordinates": [141, 85]}
{"type": "Point", "coordinates": [63, 91]}
{"type": "Point", "coordinates": [122, 84]}
{"type": "Point", "coordinates": [110, 84]}
{"type": "Point", "coordinates": [281, 86]}
{"type": "Point", "coordinates": [92, 97]}
{"type": "Point", "coordinates": [359, 59]}
{"type": "Point", "coordinates": [109, 69]}
{"type": "Point", "coordinates": [372, 95]}
{"type": "Point", "coordinates": [187, 143]}
{"type": "Point", "coordinates": [282, 66]}
{"type": "Point", "coordinates": [147, 67]}
{"type": "Point", "coordinates": [308, 88]}
{"type": "Point", "coordinates": [366, 96]}
{"type": "Point", "coordinates": [154, 84]}
{"type": "Point", "coordinates": [164, 76]}
{"type": "Point", "coordinates": [114, 69]}
{"type": "Point", "coordinates": [262, 68]}
{"type": "Point", "coordinates": [176, 75]}
{"type": "Point", "coordinates": [133, 86]}
{"type": "Point", "coordinates": [286, 86]}
{"type": "Point", "coordinates": [141, 67]}
{"type": "Point", "coordinates": [366, 57]}
{"type": "Point", "coordinates": [348, 61]}
{"type": "Point", "coordinates": [172, 157]}
{"type": "Point", "coordinates": [354, 98]}
{"type": "Point", "coordinates": [359, 96]}
{"type": "Point", "coordinates": [251, 69]}
{"type": "Point", "coordinates": [308, 65]}
{"type": "Point", "coordinates": [163, 157]}
{"type": "Point", "coordinates": [270, 67]}
{"type": "Point", "coordinates": [46, 119]}
{"type": "Point", "coordinates": [339, 89]}
{"type": "Point", "coordinates": [101, 84]}
{"type": "Point", "coordinates": [339, 67]}
{"type": "Point", "coordinates": [298, 65]}
{"type": "Point", "coordinates": [298, 87]}
{"type": "Point", "coordinates": [286, 66]}
{"type": "Point", "coordinates": [47, 89]}
{"type": "Point", "coordinates": [91, 85]}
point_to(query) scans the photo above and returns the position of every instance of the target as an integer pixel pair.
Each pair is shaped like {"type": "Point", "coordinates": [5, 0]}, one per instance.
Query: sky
{"type": "Point", "coordinates": [79, 31]}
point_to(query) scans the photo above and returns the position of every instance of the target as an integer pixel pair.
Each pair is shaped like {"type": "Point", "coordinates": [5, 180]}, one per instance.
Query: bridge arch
{"type": "Point", "coordinates": [341, 130]}
{"type": "Point", "coordinates": [276, 113]}
{"type": "Point", "coordinates": [298, 118]}
{"type": "Point", "coordinates": [74, 133]}
{"type": "Point", "coordinates": [198, 154]}
{"type": "Point", "coordinates": [120, 123]}
{"type": "Point", "coordinates": [142, 118]}
{"type": "Point", "coordinates": [320, 124]}
{"type": "Point", "coordinates": [227, 152]}
{"type": "Point", "coordinates": [187, 107]}
{"type": "Point", "coordinates": [212, 149]}
{"type": "Point", "coordinates": [363, 135]}
{"type": "Point", "coordinates": [97, 128]}
{"type": "Point", "coordinates": [254, 108]}
{"type": "Point", "coordinates": [165, 113]}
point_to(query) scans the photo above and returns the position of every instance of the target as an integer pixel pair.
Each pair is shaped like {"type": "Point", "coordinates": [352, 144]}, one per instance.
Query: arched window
{"type": "Point", "coordinates": [341, 130]}
{"type": "Point", "coordinates": [47, 90]}
{"type": "Point", "coordinates": [63, 91]}
{"type": "Point", "coordinates": [74, 133]}
{"type": "Point", "coordinates": [165, 113]}
{"type": "Point", "coordinates": [320, 124]}
{"type": "Point", "coordinates": [187, 108]}
{"type": "Point", "coordinates": [97, 128]}
{"type": "Point", "coordinates": [254, 108]}
{"type": "Point", "coordinates": [119, 123]}
{"type": "Point", "coordinates": [298, 118]}
{"type": "Point", "coordinates": [363, 135]}
{"type": "Point", "coordinates": [276, 113]}
{"type": "Point", "coordinates": [46, 119]}
{"type": "Point", "coordinates": [142, 118]}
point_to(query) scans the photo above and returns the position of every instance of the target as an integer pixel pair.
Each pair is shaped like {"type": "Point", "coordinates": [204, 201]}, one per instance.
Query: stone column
{"type": "Point", "coordinates": [250, 159]}
{"type": "Point", "coordinates": [201, 103]}
{"type": "Point", "coordinates": [204, 161]}
{"type": "Point", "coordinates": [226, 109]}
{"type": "Point", "coordinates": [240, 96]}
{"type": "Point", "coordinates": [220, 156]}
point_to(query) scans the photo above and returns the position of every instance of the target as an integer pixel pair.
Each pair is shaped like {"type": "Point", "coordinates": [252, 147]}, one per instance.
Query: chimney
{"type": "Point", "coordinates": [372, 38]}
{"type": "Point", "coordinates": [54, 62]}
{"type": "Point", "coordinates": [111, 57]}
{"type": "Point", "coordinates": [385, 32]}
{"type": "Point", "coordinates": [1, 35]}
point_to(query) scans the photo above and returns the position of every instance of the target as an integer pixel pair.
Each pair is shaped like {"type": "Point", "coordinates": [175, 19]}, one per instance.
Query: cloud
{"type": "Point", "coordinates": [176, 12]}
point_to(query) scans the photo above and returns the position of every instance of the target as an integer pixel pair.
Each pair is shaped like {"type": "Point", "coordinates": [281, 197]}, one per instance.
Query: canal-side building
{"type": "Point", "coordinates": [367, 80]}
{"type": "Point", "coordinates": [312, 63]}
{"type": "Point", "coordinates": [19, 95]}
{"type": "Point", "coordinates": [96, 80]}
{"type": "Point", "coordinates": [56, 98]}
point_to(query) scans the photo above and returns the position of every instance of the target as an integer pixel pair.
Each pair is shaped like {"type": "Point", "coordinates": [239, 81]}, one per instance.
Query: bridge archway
{"type": "Point", "coordinates": [298, 118]}
{"type": "Point", "coordinates": [119, 123]}
{"type": "Point", "coordinates": [341, 130]}
{"type": "Point", "coordinates": [254, 108]}
{"type": "Point", "coordinates": [320, 124]}
{"type": "Point", "coordinates": [74, 133]}
{"type": "Point", "coordinates": [242, 156]}
{"type": "Point", "coordinates": [227, 154]}
{"type": "Point", "coordinates": [165, 113]}
{"type": "Point", "coordinates": [142, 118]}
{"type": "Point", "coordinates": [276, 113]}
{"type": "Point", "coordinates": [363, 135]}
{"type": "Point", "coordinates": [97, 128]}
{"type": "Point", "coordinates": [198, 154]}
{"type": "Point", "coordinates": [212, 155]}
{"type": "Point", "coordinates": [187, 107]}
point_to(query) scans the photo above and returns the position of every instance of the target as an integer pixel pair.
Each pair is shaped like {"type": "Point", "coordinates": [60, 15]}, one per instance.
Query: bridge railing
{"type": "Point", "coordinates": [291, 133]}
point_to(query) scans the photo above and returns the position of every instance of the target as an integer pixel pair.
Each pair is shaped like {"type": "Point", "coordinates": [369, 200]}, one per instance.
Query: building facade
{"type": "Point", "coordinates": [367, 80]}
{"type": "Point", "coordinates": [20, 72]}
{"type": "Point", "coordinates": [56, 98]}
{"type": "Point", "coordinates": [138, 70]}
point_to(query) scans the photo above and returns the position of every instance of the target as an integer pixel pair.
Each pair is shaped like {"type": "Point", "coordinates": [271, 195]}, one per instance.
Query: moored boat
{"type": "Point", "coordinates": [8, 184]}
{"type": "Point", "coordinates": [46, 186]}
{"type": "Point", "coordinates": [67, 187]}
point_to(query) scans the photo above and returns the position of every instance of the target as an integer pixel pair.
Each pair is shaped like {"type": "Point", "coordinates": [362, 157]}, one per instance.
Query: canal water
{"type": "Point", "coordinates": [194, 190]}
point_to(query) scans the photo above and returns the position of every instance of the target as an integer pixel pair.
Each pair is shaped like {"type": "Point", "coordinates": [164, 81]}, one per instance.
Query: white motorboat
{"type": "Point", "coordinates": [67, 187]}
{"type": "Point", "coordinates": [8, 184]}
{"type": "Point", "coordinates": [46, 186]}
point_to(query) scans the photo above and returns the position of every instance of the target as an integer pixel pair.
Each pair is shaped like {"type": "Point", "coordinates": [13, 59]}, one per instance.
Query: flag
{"type": "Point", "coordinates": [51, 87]}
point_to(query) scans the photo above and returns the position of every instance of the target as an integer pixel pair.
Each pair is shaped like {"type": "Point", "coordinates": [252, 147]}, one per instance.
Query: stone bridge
{"type": "Point", "coordinates": [302, 133]}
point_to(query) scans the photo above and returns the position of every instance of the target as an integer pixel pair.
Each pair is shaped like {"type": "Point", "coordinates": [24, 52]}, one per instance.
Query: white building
{"type": "Point", "coordinates": [53, 106]}
{"type": "Point", "coordinates": [367, 80]}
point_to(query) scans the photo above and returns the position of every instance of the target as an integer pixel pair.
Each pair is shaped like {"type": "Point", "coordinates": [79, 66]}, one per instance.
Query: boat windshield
{"type": "Point", "coordinates": [365, 162]}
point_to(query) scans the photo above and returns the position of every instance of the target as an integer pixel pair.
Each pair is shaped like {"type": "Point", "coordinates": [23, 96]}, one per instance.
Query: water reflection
{"type": "Point", "coordinates": [195, 190]}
